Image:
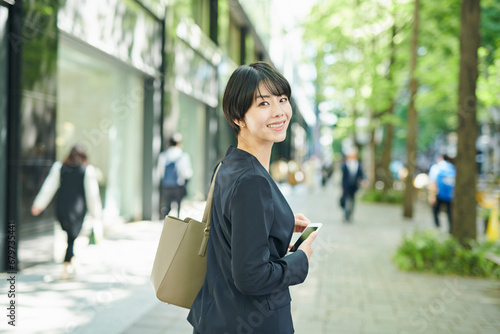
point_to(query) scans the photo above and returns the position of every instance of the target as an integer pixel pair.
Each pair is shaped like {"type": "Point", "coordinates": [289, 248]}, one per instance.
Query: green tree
{"type": "Point", "coordinates": [464, 208]}
{"type": "Point", "coordinates": [357, 63]}
{"type": "Point", "coordinates": [363, 71]}
{"type": "Point", "coordinates": [437, 70]}
{"type": "Point", "coordinates": [411, 140]}
{"type": "Point", "coordinates": [389, 126]}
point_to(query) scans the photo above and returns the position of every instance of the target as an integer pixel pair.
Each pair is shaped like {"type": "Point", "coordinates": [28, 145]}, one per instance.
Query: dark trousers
{"type": "Point", "coordinates": [172, 195]}
{"type": "Point", "coordinates": [69, 251]}
{"type": "Point", "coordinates": [347, 203]}
{"type": "Point", "coordinates": [437, 207]}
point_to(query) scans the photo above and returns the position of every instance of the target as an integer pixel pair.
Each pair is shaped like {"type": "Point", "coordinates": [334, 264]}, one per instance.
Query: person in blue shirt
{"type": "Point", "coordinates": [249, 266]}
{"type": "Point", "coordinates": [441, 187]}
{"type": "Point", "coordinates": [174, 167]}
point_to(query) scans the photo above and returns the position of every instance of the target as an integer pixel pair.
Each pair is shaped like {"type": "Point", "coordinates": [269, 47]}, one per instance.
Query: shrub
{"type": "Point", "coordinates": [427, 250]}
{"type": "Point", "coordinates": [379, 196]}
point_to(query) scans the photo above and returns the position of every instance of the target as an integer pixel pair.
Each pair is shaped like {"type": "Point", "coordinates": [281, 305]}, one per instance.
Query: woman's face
{"type": "Point", "coordinates": [267, 119]}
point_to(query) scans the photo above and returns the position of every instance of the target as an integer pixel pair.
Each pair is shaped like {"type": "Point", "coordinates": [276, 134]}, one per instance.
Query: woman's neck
{"type": "Point", "coordinates": [261, 152]}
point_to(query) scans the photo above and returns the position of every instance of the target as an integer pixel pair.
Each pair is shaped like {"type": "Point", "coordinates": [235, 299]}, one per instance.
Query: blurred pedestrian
{"type": "Point", "coordinates": [352, 177]}
{"type": "Point", "coordinates": [327, 169]}
{"type": "Point", "coordinates": [442, 187]}
{"type": "Point", "coordinates": [174, 166]}
{"type": "Point", "coordinates": [252, 224]}
{"type": "Point", "coordinates": [74, 184]}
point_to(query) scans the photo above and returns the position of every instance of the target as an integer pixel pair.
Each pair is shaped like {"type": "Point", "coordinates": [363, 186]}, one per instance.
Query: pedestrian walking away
{"type": "Point", "coordinates": [442, 188]}
{"type": "Point", "coordinates": [73, 182]}
{"type": "Point", "coordinates": [175, 170]}
{"type": "Point", "coordinates": [352, 177]}
{"type": "Point", "coordinates": [249, 266]}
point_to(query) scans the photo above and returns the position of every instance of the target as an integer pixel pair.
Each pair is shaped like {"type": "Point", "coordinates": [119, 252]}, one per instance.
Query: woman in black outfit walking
{"type": "Point", "coordinates": [77, 190]}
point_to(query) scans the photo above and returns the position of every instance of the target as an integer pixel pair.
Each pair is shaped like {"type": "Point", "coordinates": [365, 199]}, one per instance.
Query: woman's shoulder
{"type": "Point", "coordinates": [242, 172]}
{"type": "Point", "coordinates": [254, 177]}
{"type": "Point", "coordinates": [254, 172]}
{"type": "Point", "coordinates": [245, 165]}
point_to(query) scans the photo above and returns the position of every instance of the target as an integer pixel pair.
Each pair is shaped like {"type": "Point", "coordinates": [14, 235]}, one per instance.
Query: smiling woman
{"type": "Point", "coordinates": [258, 108]}
{"type": "Point", "coordinates": [264, 123]}
{"type": "Point", "coordinates": [249, 270]}
{"type": "Point", "coordinates": [248, 85]}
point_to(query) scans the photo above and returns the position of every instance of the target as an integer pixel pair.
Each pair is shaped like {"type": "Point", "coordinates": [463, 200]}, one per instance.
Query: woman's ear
{"type": "Point", "coordinates": [239, 123]}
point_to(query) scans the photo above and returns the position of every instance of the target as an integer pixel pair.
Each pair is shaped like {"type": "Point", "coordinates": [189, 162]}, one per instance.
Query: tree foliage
{"type": "Point", "coordinates": [362, 53]}
{"type": "Point", "coordinates": [353, 56]}
{"type": "Point", "coordinates": [352, 52]}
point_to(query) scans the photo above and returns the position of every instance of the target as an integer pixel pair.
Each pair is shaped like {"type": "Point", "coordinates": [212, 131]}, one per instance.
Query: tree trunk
{"type": "Point", "coordinates": [372, 177]}
{"type": "Point", "coordinates": [387, 150]}
{"type": "Point", "coordinates": [411, 139]}
{"type": "Point", "coordinates": [464, 205]}
{"type": "Point", "coordinates": [389, 127]}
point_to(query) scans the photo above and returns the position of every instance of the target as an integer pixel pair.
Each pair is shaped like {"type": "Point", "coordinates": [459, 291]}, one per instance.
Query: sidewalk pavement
{"type": "Point", "coordinates": [352, 286]}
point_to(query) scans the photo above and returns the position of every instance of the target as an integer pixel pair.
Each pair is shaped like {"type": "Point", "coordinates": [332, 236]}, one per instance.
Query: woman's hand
{"type": "Point", "coordinates": [301, 222]}
{"type": "Point", "coordinates": [306, 246]}
{"type": "Point", "coordinates": [35, 211]}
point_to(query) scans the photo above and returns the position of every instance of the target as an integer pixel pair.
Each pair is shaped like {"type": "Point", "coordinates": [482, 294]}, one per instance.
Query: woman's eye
{"type": "Point", "coordinates": [284, 99]}
{"type": "Point", "coordinates": [264, 103]}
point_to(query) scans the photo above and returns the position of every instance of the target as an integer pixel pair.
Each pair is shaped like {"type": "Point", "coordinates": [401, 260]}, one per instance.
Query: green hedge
{"type": "Point", "coordinates": [427, 250]}
{"type": "Point", "coordinates": [378, 196]}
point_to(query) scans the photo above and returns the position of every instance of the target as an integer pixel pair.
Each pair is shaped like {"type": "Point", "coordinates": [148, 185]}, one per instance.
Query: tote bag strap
{"type": "Point", "coordinates": [207, 214]}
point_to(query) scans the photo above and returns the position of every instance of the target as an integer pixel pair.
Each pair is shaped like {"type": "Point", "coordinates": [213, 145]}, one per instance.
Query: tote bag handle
{"type": "Point", "coordinates": [206, 215]}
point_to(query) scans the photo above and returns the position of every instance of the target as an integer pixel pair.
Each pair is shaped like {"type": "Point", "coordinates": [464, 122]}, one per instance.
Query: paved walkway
{"type": "Point", "coordinates": [352, 287]}
{"type": "Point", "coordinates": [355, 288]}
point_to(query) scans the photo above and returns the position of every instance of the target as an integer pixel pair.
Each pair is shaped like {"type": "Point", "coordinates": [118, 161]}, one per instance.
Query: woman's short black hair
{"type": "Point", "coordinates": [243, 87]}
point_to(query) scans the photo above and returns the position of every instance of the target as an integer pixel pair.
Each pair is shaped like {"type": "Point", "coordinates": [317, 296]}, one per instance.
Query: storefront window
{"type": "Point", "coordinates": [192, 126]}
{"type": "Point", "coordinates": [120, 28]}
{"type": "Point", "coordinates": [195, 75]}
{"type": "Point", "coordinates": [32, 125]}
{"type": "Point", "coordinates": [100, 105]}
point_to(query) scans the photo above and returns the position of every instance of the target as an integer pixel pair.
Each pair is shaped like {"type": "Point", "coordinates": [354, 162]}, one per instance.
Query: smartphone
{"type": "Point", "coordinates": [309, 229]}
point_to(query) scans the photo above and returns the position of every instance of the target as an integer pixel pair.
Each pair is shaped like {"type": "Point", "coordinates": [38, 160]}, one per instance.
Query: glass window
{"type": "Point", "coordinates": [194, 75]}
{"type": "Point", "coordinates": [234, 41]}
{"type": "Point", "coordinates": [201, 14]}
{"type": "Point", "coordinates": [192, 124]}
{"type": "Point", "coordinates": [100, 105]}
{"type": "Point", "coordinates": [120, 28]}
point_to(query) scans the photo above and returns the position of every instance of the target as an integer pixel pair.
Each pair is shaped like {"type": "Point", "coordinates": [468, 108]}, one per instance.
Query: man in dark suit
{"type": "Point", "coordinates": [352, 176]}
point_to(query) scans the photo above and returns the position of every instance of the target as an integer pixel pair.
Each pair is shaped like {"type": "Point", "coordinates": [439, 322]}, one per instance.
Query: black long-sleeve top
{"type": "Point", "coordinates": [248, 274]}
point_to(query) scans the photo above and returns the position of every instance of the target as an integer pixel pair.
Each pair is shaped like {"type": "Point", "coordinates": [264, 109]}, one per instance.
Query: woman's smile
{"type": "Point", "coordinates": [277, 126]}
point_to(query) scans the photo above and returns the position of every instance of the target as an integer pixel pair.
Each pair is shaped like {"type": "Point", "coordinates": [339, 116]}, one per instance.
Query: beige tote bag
{"type": "Point", "coordinates": [180, 264]}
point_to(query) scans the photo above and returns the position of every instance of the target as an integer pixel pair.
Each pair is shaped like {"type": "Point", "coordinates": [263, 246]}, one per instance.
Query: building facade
{"type": "Point", "coordinates": [119, 77]}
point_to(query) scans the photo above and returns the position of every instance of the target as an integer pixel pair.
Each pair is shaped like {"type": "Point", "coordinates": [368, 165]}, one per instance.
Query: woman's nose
{"type": "Point", "coordinates": [278, 109]}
